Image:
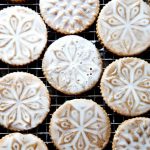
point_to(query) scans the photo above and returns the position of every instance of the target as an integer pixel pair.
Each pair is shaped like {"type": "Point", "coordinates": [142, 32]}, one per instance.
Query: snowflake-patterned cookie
{"type": "Point", "coordinates": [24, 101]}
{"type": "Point", "coordinates": [80, 124]}
{"type": "Point", "coordinates": [125, 86]}
{"type": "Point", "coordinates": [133, 134]}
{"type": "Point", "coordinates": [124, 26]}
{"type": "Point", "coordinates": [18, 141]}
{"type": "Point", "coordinates": [72, 65]}
{"type": "Point", "coordinates": [23, 35]}
{"type": "Point", "coordinates": [69, 16]}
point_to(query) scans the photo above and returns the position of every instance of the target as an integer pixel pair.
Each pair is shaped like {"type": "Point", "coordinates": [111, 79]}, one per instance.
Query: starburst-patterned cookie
{"type": "Point", "coordinates": [72, 65]}
{"type": "Point", "coordinates": [133, 134]}
{"type": "Point", "coordinates": [69, 16]}
{"type": "Point", "coordinates": [18, 141]}
{"type": "Point", "coordinates": [80, 124]}
{"type": "Point", "coordinates": [23, 35]}
{"type": "Point", "coordinates": [24, 101]}
{"type": "Point", "coordinates": [123, 26]}
{"type": "Point", "coordinates": [125, 86]}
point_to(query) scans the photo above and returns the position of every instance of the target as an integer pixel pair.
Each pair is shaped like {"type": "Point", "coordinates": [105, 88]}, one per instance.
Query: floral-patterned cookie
{"type": "Point", "coordinates": [124, 27]}
{"type": "Point", "coordinates": [80, 124]}
{"type": "Point", "coordinates": [133, 134]}
{"type": "Point", "coordinates": [24, 101]}
{"type": "Point", "coordinates": [18, 141]}
{"type": "Point", "coordinates": [69, 17]}
{"type": "Point", "coordinates": [125, 86]}
{"type": "Point", "coordinates": [72, 65]}
{"type": "Point", "coordinates": [23, 35]}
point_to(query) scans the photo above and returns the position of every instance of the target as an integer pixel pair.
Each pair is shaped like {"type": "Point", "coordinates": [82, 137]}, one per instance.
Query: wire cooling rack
{"type": "Point", "coordinates": [57, 98]}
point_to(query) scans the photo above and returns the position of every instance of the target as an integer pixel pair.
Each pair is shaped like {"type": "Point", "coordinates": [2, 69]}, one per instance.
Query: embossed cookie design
{"type": "Point", "coordinates": [69, 16]}
{"type": "Point", "coordinates": [133, 134]}
{"type": "Point", "coordinates": [18, 141]}
{"type": "Point", "coordinates": [123, 27]}
{"type": "Point", "coordinates": [72, 65]}
{"type": "Point", "coordinates": [125, 86]}
{"type": "Point", "coordinates": [80, 124]}
{"type": "Point", "coordinates": [23, 35]}
{"type": "Point", "coordinates": [24, 101]}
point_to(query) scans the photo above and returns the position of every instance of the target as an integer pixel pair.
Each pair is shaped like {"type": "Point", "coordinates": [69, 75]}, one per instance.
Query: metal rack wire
{"type": "Point", "coordinates": [58, 98]}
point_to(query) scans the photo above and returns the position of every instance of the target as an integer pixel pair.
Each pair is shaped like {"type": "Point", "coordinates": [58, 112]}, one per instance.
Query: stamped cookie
{"type": "Point", "coordinates": [80, 124]}
{"type": "Point", "coordinates": [18, 141]}
{"type": "Point", "coordinates": [72, 65]}
{"type": "Point", "coordinates": [125, 86]}
{"type": "Point", "coordinates": [133, 134]}
{"type": "Point", "coordinates": [23, 35]}
{"type": "Point", "coordinates": [24, 101]}
{"type": "Point", "coordinates": [69, 17]}
{"type": "Point", "coordinates": [123, 27]}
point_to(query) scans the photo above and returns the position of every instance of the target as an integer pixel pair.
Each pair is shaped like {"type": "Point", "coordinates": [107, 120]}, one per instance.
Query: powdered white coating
{"type": "Point", "coordinates": [23, 35]}
{"type": "Point", "coordinates": [133, 134]}
{"type": "Point", "coordinates": [18, 141]}
{"type": "Point", "coordinates": [69, 16]}
{"type": "Point", "coordinates": [125, 86]}
{"type": "Point", "coordinates": [24, 101]}
{"type": "Point", "coordinates": [124, 26]}
{"type": "Point", "coordinates": [72, 64]}
{"type": "Point", "coordinates": [80, 124]}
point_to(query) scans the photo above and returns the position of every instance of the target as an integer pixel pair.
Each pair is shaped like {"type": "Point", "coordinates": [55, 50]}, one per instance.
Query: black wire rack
{"type": "Point", "coordinates": [58, 98]}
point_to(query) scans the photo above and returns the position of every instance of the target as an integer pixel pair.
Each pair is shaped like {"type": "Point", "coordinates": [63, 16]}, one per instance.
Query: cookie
{"type": "Point", "coordinates": [72, 65]}
{"type": "Point", "coordinates": [133, 134]}
{"type": "Point", "coordinates": [23, 35]}
{"type": "Point", "coordinates": [80, 124]}
{"type": "Point", "coordinates": [24, 101]}
{"type": "Point", "coordinates": [18, 141]}
{"type": "Point", "coordinates": [125, 86]}
{"type": "Point", "coordinates": [123, 27]}
{"type": "Point", "coordinates": [69, 17]}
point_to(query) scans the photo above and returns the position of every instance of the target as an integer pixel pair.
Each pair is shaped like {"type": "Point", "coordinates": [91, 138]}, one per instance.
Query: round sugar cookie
{"type": "Point", "coordinates": [125, 86]}
{"type": "Point", "coordinates": [23, 35]}
{"type": "Point", "coordinates": [123, 27]}
{"type": "Point", "coordinates": [133, 134]}
{"type": "Point", "coordinates": [69, 17]}
{"type": "Point", "coordinates": [24, 101]}
{"type": "Point", "coordinates": [72, 65]}
{"type": "Point", "coordinates": [18, 141]}
{"type": "Point", "coordinates": [80, 124]}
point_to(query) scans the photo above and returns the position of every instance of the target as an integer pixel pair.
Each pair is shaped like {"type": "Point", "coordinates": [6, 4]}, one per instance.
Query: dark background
{"type": "Point", "coordinates": [57, 98]}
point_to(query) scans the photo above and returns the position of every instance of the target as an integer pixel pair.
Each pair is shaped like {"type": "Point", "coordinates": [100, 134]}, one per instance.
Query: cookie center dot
{"type": "Point", "coordinates": [131, 85]}
{"type": "Point", "coordinates": [18, 102]}
{"type": "Point", "coordinates": [81, 128]}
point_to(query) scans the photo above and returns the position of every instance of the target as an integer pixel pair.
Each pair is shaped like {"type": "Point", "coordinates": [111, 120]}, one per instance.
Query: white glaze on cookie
{"type": "Point", "coordinates": [125, 86]}
{"type": "Point", "coordinates": [133, 134]}
{"type": "Point", "coordinates": [72, 64]}
{"type": "Point", "coordinates": [69, 16]}
{"type": "Point", "coordinates": [18, 141]}
{"type": "Point", "coordinates": [124, 26]}
{"type": "Point", "coordinates": [80, 125]}
{"type": "Point", "coordinates": [24, 101]}
{"type": "Point", "coordinates": [23, 35]}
